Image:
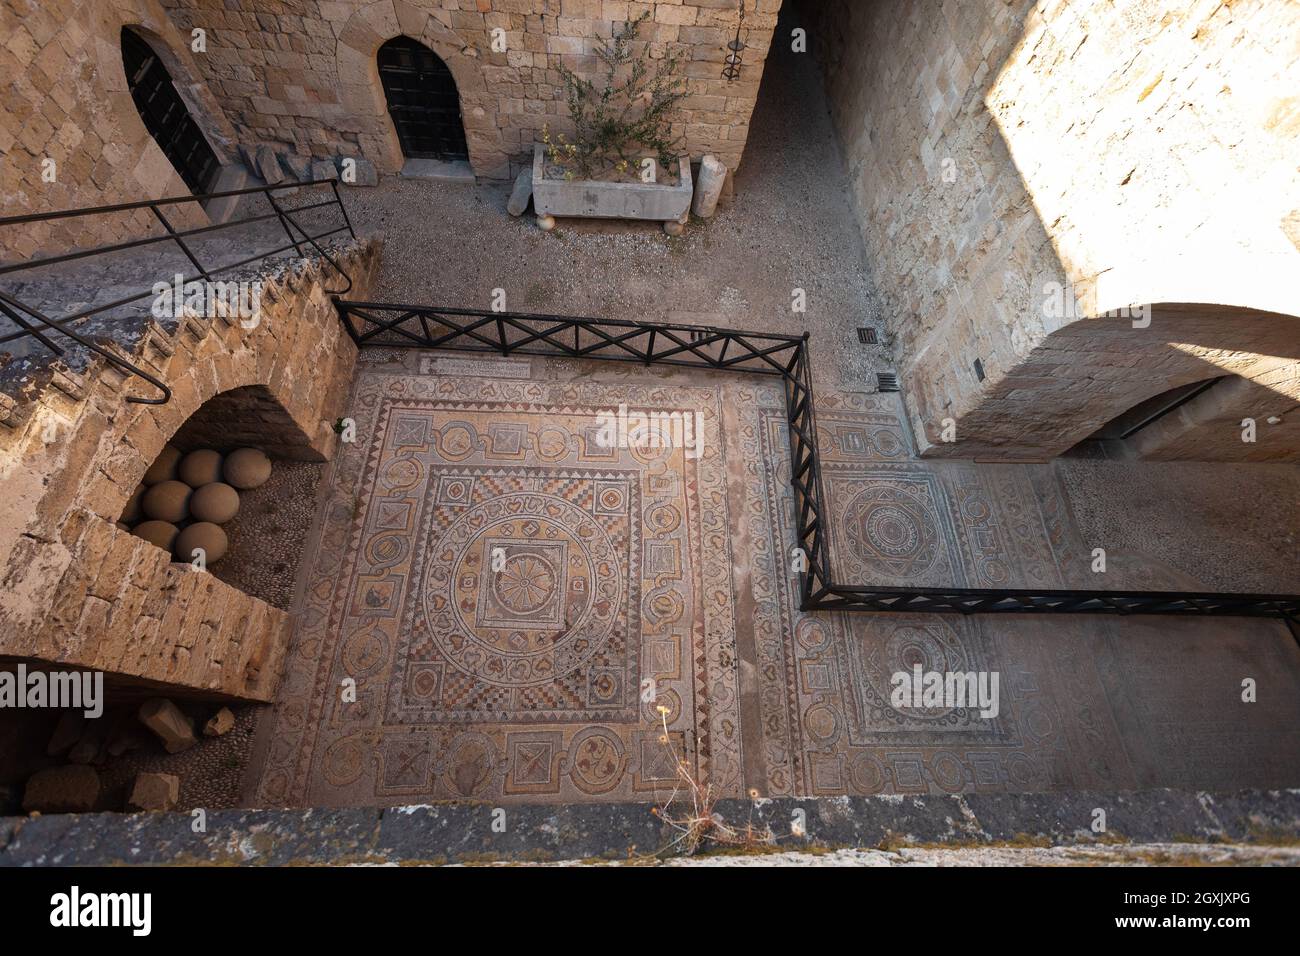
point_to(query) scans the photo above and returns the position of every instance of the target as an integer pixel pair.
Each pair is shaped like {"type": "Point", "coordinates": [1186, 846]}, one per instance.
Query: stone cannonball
{"type": "Point", "coordinates": [200, 468]}
{"type": "Point", "coordinates": [217, 503]}
{"type": "Point", "coordinates": [160, 533]}
{"type": "Point", "coordinates": [168, 501]}
{"type": "Point", "coordinates": [201, 534]}
{"type": "Point", "coordinates": [247, 468]}
{"type": "Point", "coordinates": [164, 466]}
{"type": "Point", "coordinates": [131, 511]}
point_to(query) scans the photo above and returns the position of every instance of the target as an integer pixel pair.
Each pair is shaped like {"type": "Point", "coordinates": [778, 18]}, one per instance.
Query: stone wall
{"type": "Point", "coordinates": [65, 99]}
{"type": "Point", "coordinates": [1131, 153]}
{"type": "Point", "coordinates": [301, 76]}
{"type": "Point", "coordinates": [76, 590]}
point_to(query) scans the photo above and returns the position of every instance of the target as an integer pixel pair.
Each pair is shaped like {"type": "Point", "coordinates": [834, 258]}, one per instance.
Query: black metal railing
{"type": "Point", "coordinates": [786, 357]}
{"type": "Point", "coordinates": [33, 323]}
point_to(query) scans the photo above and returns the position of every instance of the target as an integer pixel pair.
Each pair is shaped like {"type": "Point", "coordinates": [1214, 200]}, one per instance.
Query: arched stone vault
{"type": "Point", "coordinates": [1142, 151]}
{"type": "Point", "coordinates": [77, 590]}
{"type": "Point", "coordinates": [1086, 372]}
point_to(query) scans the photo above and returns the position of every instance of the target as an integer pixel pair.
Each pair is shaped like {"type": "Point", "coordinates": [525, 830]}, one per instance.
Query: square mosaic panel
{"type": "Point", "coordinates": [827, 723]}
{"type": "Point", "coordinates": [873, 650]}
{"type": "Point", "coordinates": [892, 527]}
{"type": "Point", "coordinates": [527, 594]}
{"type": "Point", "coordinates": [501, 589]}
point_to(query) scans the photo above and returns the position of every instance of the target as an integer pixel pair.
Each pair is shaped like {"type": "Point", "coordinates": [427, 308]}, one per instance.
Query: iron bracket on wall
{"type": "Point", "coordinates": [786, 357]}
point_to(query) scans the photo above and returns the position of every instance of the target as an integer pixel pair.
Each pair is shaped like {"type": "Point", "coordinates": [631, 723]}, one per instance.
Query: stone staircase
{"type": "Point", "coordinates": [31, 373]}
{"type": "Point", "coordinates": [75, 589]}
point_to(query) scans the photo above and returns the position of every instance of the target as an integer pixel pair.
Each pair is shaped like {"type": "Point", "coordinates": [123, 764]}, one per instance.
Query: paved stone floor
{"type": "Point", "coordinates": [649, 563]}
{"type": "Point", "coordinates": [634, 565]}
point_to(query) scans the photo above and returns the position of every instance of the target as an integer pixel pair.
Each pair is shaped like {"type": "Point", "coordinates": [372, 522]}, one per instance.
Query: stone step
{"type": "Point", "coordinates": [28, 368]}
{"type": "Point", "coordinates": [32, 375]}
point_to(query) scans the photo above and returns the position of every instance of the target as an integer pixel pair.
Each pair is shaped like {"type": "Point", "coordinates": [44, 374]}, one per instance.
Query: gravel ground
{"type": "Point", "coordinates": [210, 771]}
{"type": "Point", "coordinates": [269, 533]}
{"type": "Point", "coordinates": [790, 226]}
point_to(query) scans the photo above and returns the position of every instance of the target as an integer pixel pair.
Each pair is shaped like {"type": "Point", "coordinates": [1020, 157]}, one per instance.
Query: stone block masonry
{"type": "Point", "coordinates": [303, 77]}
{"type": "Point", "coordinates": [77, 591]}
{"type": "Point", "coordinates": [70, 134]}
{"type": "Point", "coordinates": [1140, 152]}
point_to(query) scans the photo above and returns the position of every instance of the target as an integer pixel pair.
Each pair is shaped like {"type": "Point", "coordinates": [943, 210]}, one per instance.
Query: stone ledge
{"type": "Point", "coordinates": [462, 832]}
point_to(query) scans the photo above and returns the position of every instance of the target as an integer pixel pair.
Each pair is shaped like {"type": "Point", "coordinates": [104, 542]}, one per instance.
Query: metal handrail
{"type": "Point", "coordinates": [8, 304]}
{"type": "Point", "coordinates": [36, 323]}
{"type": "Point", "coordinates": [164, 201]}
{"type": "Point", "coordinates": [787, 357]}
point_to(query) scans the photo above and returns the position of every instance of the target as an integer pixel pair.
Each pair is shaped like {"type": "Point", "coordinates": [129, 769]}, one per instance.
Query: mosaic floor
{"type": "Point", "coordinates": [498, 603]}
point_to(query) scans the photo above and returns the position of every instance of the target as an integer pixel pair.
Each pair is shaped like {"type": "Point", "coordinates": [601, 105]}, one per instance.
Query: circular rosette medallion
{"type": "Point", "coordinates": [933, 649]}
{"type": "Point", "coordinates": [893, 530]}
{"type": "Point", "coordinates": [522, 589]}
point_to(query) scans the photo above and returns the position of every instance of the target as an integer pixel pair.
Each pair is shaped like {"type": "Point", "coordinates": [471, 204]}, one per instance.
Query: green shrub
{"type": "Point", "coordinates": [625, 116]}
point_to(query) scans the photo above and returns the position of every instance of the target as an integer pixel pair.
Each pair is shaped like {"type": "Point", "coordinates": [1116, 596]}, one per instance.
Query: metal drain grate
{"type": "Point", "coordinates": [886, 382]}
{"type": "Point", "coordinates": [867, 335]}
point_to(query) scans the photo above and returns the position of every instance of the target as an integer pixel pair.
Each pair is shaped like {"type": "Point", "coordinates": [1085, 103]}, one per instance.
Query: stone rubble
{"type": "Point", "coordinates": [355, 171]}
{"type": "Point", "coordinates": [220, 723]}
{"type": "Point", "coordinates": [155, 792]}
{"type": "Point", "coordinates": [267, 165]}
{"type": "Point", "coordinates": [173, 728]}
{"type": "Point", "coordinates": [708, 187]}
{"type": "Point", "coordinates": [67, 732]}
{"type": "Point", "coordinates": [522, 192]}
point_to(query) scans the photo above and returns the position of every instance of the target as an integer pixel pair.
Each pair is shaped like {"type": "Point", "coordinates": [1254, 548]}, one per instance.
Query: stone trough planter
{"type": "Point", "coordinates": [587, 198]}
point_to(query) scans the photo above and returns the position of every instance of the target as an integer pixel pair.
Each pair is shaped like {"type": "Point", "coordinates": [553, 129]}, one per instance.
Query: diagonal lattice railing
{"type": "Point", "coordinates": [786, 357]}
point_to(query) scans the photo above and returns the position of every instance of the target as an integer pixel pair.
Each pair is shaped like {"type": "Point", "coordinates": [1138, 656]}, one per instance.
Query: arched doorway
{"type": "Point", "coordinates": [422, 101]}
{"type": "Point", "coordinates": [165, 114]}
